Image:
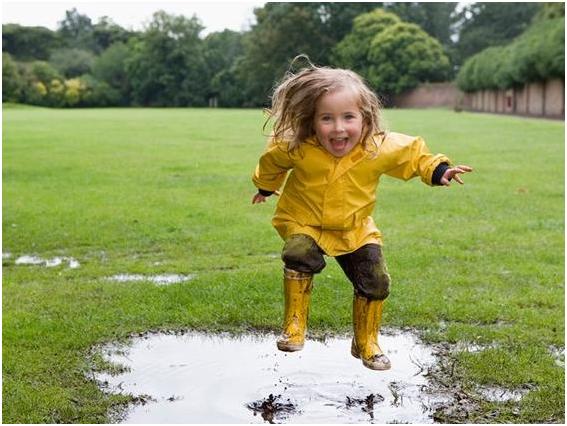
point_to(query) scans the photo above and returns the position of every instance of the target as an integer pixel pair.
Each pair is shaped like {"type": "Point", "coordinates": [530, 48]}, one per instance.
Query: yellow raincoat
{"type": "Point", "coordinates": [332, 199]}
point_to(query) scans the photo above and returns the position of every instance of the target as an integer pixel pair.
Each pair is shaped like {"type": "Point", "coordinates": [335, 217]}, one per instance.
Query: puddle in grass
{"type": "Point", "coordinates": [164, 279]}
{"type": "Point", "coordinates": [198, 378]}
{"type": "Point", "coordinates": [56, 261]}
{"type": "Point", "coordinates": [497, 394]}
{"type": "Point", "coordinates": [558, 354]}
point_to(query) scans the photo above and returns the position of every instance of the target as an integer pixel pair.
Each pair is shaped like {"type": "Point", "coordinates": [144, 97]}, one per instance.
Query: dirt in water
{"type": "Point", "coordinates": [271, 409]}
{"type": "Point", "coordinates": [203, 378]}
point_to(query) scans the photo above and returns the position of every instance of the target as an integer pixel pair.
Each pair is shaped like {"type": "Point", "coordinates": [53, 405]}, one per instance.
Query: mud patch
{"type": "Point", "coordinates": [245, 379]}
{"type": "Point", "coordinates": [164, 279]}
{"type": "Point", "coordinates": [272, 409]}
{"type": "Point", "coordinates": [49, 263]}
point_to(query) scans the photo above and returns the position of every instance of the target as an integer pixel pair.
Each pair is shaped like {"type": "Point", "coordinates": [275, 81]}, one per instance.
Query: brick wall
{"type": "Point", "coordinates": [540, 99]}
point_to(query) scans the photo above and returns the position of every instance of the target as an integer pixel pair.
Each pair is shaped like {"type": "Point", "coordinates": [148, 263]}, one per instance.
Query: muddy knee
{"type": "Point", "coordinates": [302, 254]}
{"type": "Point", "coordinates": [374, 286]}
{"type": "Point", "coordinates": [367, 271]}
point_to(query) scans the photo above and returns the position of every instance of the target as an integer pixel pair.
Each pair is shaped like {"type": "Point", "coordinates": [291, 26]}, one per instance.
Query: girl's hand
{"type": "Point", "coordinates": [259, 198]}
{"type": "Point", "coordinates": [453, 173]}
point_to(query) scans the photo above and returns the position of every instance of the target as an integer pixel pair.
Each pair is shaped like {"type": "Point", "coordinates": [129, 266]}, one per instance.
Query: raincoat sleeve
{"type": "Point", "coordinates": [410, 157]}
{"type": "Point", "coordinates": [272, 168]}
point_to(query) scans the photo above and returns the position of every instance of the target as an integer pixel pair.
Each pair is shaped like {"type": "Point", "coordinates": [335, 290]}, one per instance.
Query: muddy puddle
{"type": "Point", "coordinates": [49, 263]}
{"type": "Point", "coordinates": [163, 279]}
{"type": "Point", "coordinates": [198, 378]}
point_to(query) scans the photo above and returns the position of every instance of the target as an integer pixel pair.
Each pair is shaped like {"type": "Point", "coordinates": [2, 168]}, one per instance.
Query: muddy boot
{"type": "Point", "coordinates": [297, 292]}
{"type": "Point", "coordinates": [366, 316]}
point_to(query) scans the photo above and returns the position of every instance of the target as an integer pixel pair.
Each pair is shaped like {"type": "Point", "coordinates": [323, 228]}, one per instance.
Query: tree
{"type": "Point", "coordinates": [285, 30]}
{"type": "Point", "coordinates": [402, 56]}
{"type": "Point", "coordinates": [28, 43]}
{"type": "Point", "coordinates": [12, 82]}
{"type": "Point", "coordinates": [43, 72]}
{"type": "Point", "coordinates": [72, 62]}
{"type": "Point", "coordinates": [550, 11]}
{"type": "Point", "coordinates": [282, 31]}
{"type": "Point", "coordinates": [537, 54]}
{"type": "Point", "coordinates": [105, 33]}
{"type": "Point", "coordinates": [167, 65]}
{"type": "Point", "coordinates": [481, 25]}
{"type": "Point", "coordinates": [434, 18]}
{"type": "Point", "coordinates": [221, 49]}
{"type": "Point", "coordinates": [76, 31]}
{"type": "Point", "coordinates": [111, 68]}
{"type": "Point", "coordinates": [352, 51]}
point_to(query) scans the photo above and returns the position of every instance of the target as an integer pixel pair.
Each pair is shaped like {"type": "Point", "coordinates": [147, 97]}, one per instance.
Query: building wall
{"type": "Point", "coordinates": [540, 99]}
{"type": "Point", "coordinates": [428, 95]}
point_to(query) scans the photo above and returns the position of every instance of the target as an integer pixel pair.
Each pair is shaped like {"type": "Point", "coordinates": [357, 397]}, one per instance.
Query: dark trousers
{"type": "Point", "coordinates": [364, 267]}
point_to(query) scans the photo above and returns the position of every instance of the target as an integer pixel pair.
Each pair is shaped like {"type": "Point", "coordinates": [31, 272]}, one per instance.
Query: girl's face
{"type": "Point", "coordinates": [338, 121]}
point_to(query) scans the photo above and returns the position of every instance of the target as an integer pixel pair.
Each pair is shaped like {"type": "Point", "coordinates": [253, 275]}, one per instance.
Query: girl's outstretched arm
{"type": "Point", "coordinates": [453, 173]}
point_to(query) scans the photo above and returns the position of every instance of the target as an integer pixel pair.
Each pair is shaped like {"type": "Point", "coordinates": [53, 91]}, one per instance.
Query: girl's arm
{"type": "Point", "coordinates": [271, 172]}
{"type": "Point", "coordinates": [408, 157]}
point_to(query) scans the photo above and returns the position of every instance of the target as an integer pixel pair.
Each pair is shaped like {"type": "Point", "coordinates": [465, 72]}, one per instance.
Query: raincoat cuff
{"type": "Point", "coordinates": [265, 193]}
{"type": "Point", "coordinates": [438, 173]}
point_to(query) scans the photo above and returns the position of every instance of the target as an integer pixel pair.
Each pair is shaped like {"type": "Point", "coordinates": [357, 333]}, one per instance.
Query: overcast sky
{"type": "Point", "coordinates": [132, 14]}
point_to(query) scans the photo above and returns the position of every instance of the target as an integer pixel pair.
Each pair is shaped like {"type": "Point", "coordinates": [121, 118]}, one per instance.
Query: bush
{"type": "Point", "coordinates": [72, 62]}
{"type": "Point", "coordinates": [538, 54]}
{"type": "Point", "coordinates": [402, 56]}
{"type": "Point", "coordinates": [12, 82]}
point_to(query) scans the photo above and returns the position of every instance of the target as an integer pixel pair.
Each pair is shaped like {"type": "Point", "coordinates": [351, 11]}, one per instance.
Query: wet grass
{"type": "Point", "coordinates": [155, 191]}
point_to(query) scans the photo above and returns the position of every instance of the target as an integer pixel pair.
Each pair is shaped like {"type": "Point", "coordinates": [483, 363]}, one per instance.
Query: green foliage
{"type": "Point", "coordinates": [167, 65]}
{"type": "Point", "coordinates": [99, 93]}
{"type": "Point", "coordinates": [29, 43]}
{"type": "Point", "coordinates": [482, 25]}
{"type": "Point", "coordinates": [352, 51]}
{"type": "Point", "coordinates": [43, 72]}
{"type": "Point", "coordinates": [221, 50]}
{"type": "Point", "coordinates": [536, 55]}
{"type": "Point", "coordinates": [435, 18]}
{"type": "Point", "coordinates": [550, 11]}
{"type": "Point", "coordinates": [170, 64]}
{"type": "Point", "coordinates": [402, 56]}
{"type": "Point", "coordinates": [105, 33]}
{"type": "Point", "coordinates": [76, 30]}
{"type": "Point", "coordinates": [282, 31]}
{"type": "Point", "coordinates": [110, 69]}
{"type": "Point", "coordinates": [72, 62]}
{"type": "Point", "coordinates": [12, 82]}
{"type": "Point", "coordinates": [285, 30]}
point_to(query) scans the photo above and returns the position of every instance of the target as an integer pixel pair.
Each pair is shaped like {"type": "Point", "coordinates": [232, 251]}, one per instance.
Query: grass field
{"type": "Point", "coordinates": [152, 191]}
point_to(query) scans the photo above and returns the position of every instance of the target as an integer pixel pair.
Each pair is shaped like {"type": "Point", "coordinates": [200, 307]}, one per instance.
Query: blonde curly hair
{"type": "Point", "coordinates": [295, 99]}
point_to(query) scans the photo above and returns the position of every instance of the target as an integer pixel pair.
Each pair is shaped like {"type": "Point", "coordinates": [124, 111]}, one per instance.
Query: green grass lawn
{"type": "Point", "coordinates": [156, 191]}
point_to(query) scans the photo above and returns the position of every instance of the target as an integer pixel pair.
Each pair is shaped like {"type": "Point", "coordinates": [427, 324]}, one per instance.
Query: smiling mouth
{"type": "Point", "coordinates": [339, 143]}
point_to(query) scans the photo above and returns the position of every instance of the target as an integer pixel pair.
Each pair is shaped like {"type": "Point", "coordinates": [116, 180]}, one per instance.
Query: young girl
{"type": "Point", "coordinates": [327, 131]}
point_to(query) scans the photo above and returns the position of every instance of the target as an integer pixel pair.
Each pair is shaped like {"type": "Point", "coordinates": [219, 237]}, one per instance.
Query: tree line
{"type": "Point", "coordinates": [395, 46]}
{"type": "Point", "coordinates": [538, 54]}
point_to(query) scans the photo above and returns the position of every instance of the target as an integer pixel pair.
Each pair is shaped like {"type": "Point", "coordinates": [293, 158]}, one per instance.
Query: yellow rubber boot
{"type": "Point", "coordinates": [366, 316]}
{"type": "Point", "coordinates": [297, 293]}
